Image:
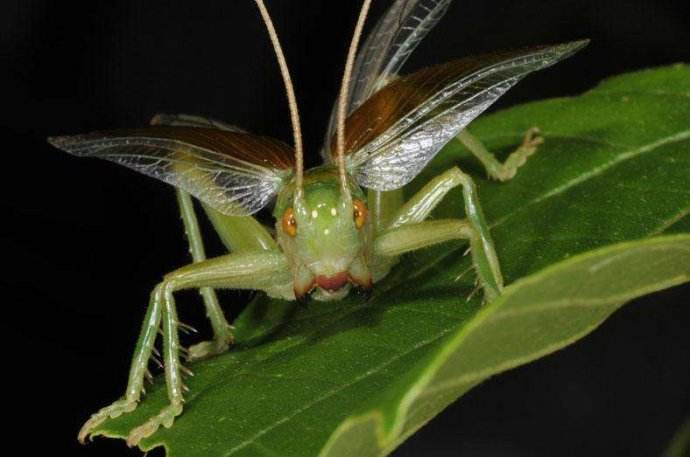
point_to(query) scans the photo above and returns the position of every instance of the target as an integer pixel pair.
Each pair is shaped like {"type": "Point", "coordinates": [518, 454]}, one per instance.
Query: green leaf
{"type": "Point", "coordinates": [680, 443]}
{"type": "Point", "coordinates": [582, 229]}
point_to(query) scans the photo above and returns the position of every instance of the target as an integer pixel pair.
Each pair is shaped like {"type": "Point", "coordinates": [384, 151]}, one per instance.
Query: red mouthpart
{"type": "Point", "coordinates": [332, 283]}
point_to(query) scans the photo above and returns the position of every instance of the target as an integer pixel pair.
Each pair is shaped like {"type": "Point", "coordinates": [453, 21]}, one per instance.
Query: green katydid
{"type": "Point", "coordinates": [339, 226]}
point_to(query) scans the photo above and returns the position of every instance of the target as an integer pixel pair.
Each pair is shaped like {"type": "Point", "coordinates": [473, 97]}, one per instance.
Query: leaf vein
{"type": "Point", "coordinates": [328, 394]}
{"type": "Point", "coordinates": [623, 157]}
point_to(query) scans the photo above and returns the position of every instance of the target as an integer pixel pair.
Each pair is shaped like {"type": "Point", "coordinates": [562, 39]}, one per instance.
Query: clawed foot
{"type": "Point", "coordinates": [118, 408]}
{"type": "Point", "coordinates": [165, 418]}
{"type": "Point", "coordinates": [208, 348]}
{"type": "Point", "coordinates": [531, 141]}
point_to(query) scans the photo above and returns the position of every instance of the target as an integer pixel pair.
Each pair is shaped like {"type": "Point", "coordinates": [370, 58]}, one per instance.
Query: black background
{"type": "Point", "coordinates": [83, 241]}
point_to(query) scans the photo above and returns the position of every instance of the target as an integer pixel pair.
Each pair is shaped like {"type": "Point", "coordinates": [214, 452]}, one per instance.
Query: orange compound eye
{"type": "Point", "coordinates": [359, 213]}
{"type": "Point", "coordinates": [289, 222]}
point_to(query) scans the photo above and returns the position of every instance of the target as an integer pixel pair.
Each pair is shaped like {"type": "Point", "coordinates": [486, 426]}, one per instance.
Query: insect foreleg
{"type": "Point", "coordinates": [388, 212]}
{"type": "Point", "coordinates": [172, 368]}
{"type": "Point", "coordinates": [420, 205]}
{"type": "Point", "coordinates": [222, 331]}
{"type": "Point", "coordinates": [417, 234]}
{"type": "Point", "coordinates": [264, 270]}
{"type": "Point", "coordinates": [411, 237]}
{"type": "Point", "coordinates": [137, 371]}
{"type": "Point", "coordinates": [502, 171]}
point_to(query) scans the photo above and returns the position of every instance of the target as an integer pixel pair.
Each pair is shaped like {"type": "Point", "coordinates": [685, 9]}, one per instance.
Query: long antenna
{"type": "Point", "coordinates": [344, 90]}
{"type": "Point", "coordinates": [289, 91]}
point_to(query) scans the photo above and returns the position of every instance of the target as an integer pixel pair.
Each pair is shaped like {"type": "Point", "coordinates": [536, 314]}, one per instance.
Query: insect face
{"type": "Point", "coordinates": [324, 235]}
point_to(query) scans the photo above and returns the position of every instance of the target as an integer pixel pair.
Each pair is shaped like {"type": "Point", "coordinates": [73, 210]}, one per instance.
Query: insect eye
{"type": "Point", "coordinates": [289, 222]}
{"type": "Point", "coordinates": [359, 213]}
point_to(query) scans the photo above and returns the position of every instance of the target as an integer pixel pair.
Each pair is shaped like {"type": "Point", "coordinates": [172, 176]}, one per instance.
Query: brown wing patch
{"type": "Point", "coordinates": [235, 173]}
{"type": "Point", "coordinates": [250, 148]}
{"type": "Point", "coordinates": [402, 96]}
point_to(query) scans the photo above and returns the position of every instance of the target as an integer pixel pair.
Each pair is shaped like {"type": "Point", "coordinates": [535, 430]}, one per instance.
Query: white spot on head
{"type": "Point", "coordinates": [314, 214]}
{"type": "Point", "coordinates": [334, 212]}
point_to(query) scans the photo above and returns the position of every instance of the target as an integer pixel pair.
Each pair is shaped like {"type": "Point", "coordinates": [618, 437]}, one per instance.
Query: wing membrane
{"type": "Point", "coordinates": [390, 43]}
{"type": "Point", "coordinates": [235, 173]}
{"type": "Point", "coordinates": [387, 48]}
{"type": "Point", "coordinates": [190, 120]}
{"type": "Point", "coordinates": [397, 131]}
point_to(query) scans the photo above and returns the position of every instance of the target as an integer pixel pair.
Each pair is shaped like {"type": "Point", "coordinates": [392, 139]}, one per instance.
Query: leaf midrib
{"type": "Point", "coordinates": [620, 158]}
{"type": "Point", "coordinates": [648, 147]}
{"type": "Point", "coordinates": [335, 391]}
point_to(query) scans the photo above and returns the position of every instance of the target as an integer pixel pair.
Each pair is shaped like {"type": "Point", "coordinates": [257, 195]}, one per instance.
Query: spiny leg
{"type": "Point", "coordinates": [137, 372]}
{"type": "Point", "coordinates": [502, 171]}
{"type": "Point", "coordinates": [172, 368]}
{"type": "Point", "coordinates": [222, 330]}
{"type": "Point", "coordinates": [264, 270]}
{"type": "Point", "coordinates": [475, 228]}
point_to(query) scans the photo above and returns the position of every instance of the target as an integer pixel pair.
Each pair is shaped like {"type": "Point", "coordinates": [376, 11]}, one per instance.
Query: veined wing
{"type": "Point", "coordinates": [387, 48]}
{"type": "Point", "coordinates": [190, 120]}
{"type": "Point", "coordinates": [397, 131]}
{"type": "Point", "coordinates": [390, 43]}
{"type": "Point", "coordinates": [235, 173]}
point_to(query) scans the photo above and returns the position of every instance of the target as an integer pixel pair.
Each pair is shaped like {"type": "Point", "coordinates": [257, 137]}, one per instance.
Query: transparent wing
{"type": "Point", "coordinates": [190, 120]}
{"type": "Point", "coordinates": [397, 131]}
{"type": "Point", "coordinates": [390, 43]}
{"type": "Point", "coordinates": [235, 173]}
{"type": "Point", "coordinates": [387, 48]}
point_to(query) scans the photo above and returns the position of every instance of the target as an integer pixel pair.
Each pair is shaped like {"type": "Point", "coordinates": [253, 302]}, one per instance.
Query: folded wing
{"type": "Point", "coordinates": [234, 172]}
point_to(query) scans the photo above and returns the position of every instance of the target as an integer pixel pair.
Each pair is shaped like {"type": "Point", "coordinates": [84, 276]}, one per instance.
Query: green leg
{"type": "Point", "coordinates": [254, 237]}
{"type": "Point", "coordinates": [257, 271]}
{"type": "Point", "coordinates": [137, 371]}
{"type": "Point", "coordinates": [266, 271]}
{"type": "Point", "coordinates": [417, 236]}
{"type": "Point", "coordinates": [172, 368]}
{"type": "Point", "coordinates": [383, 207]}
{"type": "Point", "coordinates": [502, 171]}
{"type": "Point", "coordinates": [420, 205]}
{"type": "Point", "coordinates": [248, 271]}
{"type": "Point", "coordinates": [222, 331]}
{"type": "Point", "coordinates": [418, 208]}
{"type": "Point", "coordinates": [241, 233]}
{"type": "Point", "coordinates": [238, 233]}
{"type": "Point", "coordinates": [408, 238]}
